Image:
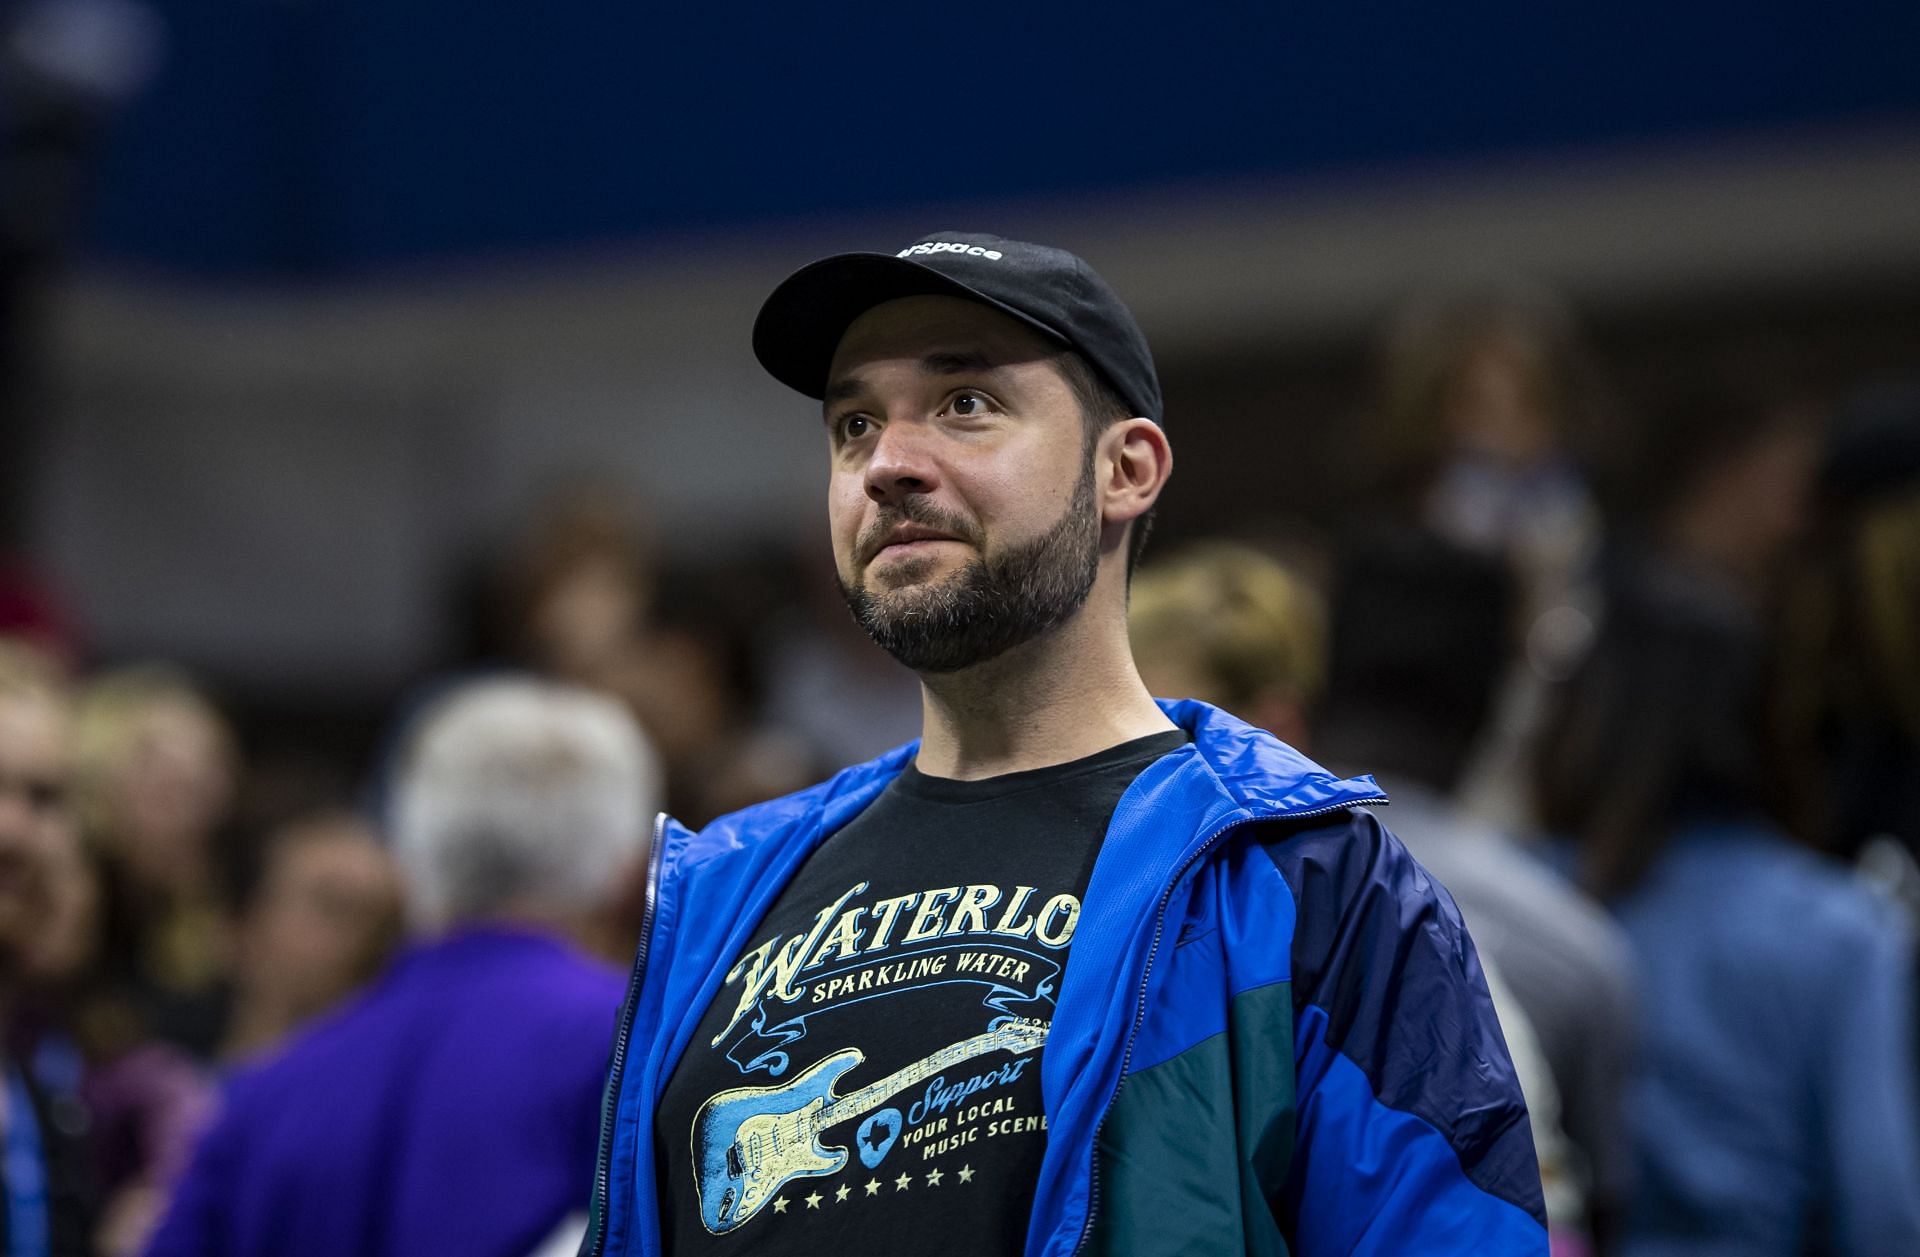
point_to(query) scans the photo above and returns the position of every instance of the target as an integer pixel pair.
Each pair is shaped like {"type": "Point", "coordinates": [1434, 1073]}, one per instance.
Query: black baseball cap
{"type": "Point", "coordinates": [1050, 290]}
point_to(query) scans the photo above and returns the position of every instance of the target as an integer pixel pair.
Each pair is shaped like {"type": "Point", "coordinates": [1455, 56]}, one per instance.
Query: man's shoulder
{"type": "Point", "coordinates": [1334, 856]}
{"type": "Point", "coordinates": [1264, 775]}
{"type": "Point", "coordinates": [1313, 824]}
{"type": "Point", "coordinates": [1359, 898]}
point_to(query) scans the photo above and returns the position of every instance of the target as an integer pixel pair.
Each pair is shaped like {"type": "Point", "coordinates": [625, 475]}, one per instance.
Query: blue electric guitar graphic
{"type": "Point", "coordinates": [750, 1142]}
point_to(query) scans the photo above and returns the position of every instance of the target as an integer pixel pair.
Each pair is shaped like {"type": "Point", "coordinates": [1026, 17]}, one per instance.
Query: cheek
{"type": "Point", "coordinates": [846, 509]}
{"type": "Point", "coordinates": [1029, 493]}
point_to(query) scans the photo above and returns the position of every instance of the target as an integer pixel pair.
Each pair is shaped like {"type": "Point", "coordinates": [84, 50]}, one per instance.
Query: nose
{"type": "Point", "coordinates": [902, 464]}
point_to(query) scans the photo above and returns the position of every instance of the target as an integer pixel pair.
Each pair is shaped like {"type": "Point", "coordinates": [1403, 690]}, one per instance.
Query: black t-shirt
{"type": "Point", "coordinates": [870, 1071]}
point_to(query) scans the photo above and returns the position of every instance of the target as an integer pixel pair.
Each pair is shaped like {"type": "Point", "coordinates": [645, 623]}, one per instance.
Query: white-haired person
{"type": "Point", "coordinates": [454, 1107]}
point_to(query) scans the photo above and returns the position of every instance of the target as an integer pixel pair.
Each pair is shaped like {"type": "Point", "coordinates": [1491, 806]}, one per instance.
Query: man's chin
{"type": "Point", "coordinates": [907, 574]}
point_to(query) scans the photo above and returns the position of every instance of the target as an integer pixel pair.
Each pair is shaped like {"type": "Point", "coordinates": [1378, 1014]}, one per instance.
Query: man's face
{"type": "Point", "coordinates": [962, 496]}
{"type": "Point", "coordinates": [34, 820]}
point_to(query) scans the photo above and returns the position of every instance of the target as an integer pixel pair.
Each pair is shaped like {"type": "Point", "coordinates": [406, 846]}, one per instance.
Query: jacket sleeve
{"type": "Point", "coordinates": [1410, 1134]}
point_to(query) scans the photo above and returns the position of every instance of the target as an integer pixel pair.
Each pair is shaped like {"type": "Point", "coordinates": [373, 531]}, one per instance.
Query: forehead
{"type": "Point", "coordinates": [914, 328]}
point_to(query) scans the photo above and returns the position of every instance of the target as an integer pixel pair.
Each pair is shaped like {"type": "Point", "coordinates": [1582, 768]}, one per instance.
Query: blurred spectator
{"type": "Point", "coordinates": [1851, 701]}
{"type": "Point", "coordinates": [845, 698]}
{"type": "Point", "coordinates": [1419, 643]}
{"type": "Point", "coordinates": [454, 1108]}
{"type": "Point", "coordinates": [581, 609]}
{"type": "Point", "coordinates": [1225, 624]}
{"type": "Point", "coordinates": [328, 910]}
{"type": "Point", "coordinates": [141, 1101]}
{"type": "Point", "coordinates": [1488, 403]}
{"type": "Point", "coordinates": [1774, 1110]}
{"type": "Point", "coordinates": [580, 588]}
{"type": "Point", "coordinates": [47, 1190]}
{"type": "Point", "coordinates": [1725, 481]}
{"type": "Point", "coordinates": [720, 610]}
{"type": "Point", "coordinates": [157, 775]}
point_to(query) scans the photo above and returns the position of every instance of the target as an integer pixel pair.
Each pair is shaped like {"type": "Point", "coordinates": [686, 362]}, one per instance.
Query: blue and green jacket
{"type": "Point", "coordinates": [1272, 1036]}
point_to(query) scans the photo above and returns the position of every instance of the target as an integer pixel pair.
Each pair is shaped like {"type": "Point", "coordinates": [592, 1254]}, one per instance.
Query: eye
{"type": "Point", "coordinates": [852, 427]}
{"type": "Point", "coordinates": [967, 404]}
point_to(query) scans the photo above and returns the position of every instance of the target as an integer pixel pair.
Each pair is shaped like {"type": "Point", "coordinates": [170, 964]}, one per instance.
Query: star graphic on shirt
{"type": "Point", "coordinates": [873, 1187]}
{"type": "Point", "coordinates": [813, 1201]}
{"type": "Point", "coordinates": [934, 1177]}
{"type": "Point", "coordinates": [780, 1205]}
{"type": "Point", "coordinates": [840, 1197]}
{"type": "Point", "coordinates": [966, 1173]}
{"type": "Point", "coordinates": [900, 1184]}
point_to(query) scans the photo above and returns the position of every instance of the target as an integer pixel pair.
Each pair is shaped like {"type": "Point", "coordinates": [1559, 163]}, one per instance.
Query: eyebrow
{"type": "Point", "coordinates": [845, 390]}
{"type": "Point", "coordinates": [933, 364]}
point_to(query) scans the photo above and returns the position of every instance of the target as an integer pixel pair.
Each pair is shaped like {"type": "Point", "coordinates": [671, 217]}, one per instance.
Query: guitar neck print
{"type": "Point", "coordinates": [869, 1096]}
{"type": "Point", "coordinates": [750, 1142]}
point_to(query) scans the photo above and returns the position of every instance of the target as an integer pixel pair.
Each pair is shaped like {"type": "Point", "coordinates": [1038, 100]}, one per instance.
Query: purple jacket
{"type": "Point", "coordinates": [451, 1109]}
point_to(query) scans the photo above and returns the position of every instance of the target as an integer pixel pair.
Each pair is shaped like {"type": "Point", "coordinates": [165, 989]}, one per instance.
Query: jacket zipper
{"type": "Point", "coordinates": [603, 1172]}
{"type": "Point", "coordinates": [1146, 974]}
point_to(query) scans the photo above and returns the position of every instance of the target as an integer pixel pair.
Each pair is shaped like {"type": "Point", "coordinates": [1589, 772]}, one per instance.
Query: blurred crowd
{"type": "Point", "coordinates": [1649, 709]}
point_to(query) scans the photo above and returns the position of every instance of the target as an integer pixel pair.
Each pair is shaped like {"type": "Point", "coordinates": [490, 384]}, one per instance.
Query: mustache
{"type": "Point", "coordinates": [911, 511]}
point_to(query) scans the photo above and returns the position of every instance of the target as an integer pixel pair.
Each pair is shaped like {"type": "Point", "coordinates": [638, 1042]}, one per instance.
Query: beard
{"type": "Point", "coordinates": [995, 602]}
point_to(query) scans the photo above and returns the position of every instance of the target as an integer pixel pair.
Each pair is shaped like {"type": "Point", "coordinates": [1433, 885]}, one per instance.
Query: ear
{"type": "Point", "coordinates": [1134, 461]}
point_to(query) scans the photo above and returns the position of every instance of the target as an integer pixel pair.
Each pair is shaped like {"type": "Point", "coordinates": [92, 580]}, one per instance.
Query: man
{"type": "Point", "coordinates": [1076, 971]}
{"type": "Point", "coordinates": [452, 1108]}
{"type": "Point", "coordinates": [47, 1207]}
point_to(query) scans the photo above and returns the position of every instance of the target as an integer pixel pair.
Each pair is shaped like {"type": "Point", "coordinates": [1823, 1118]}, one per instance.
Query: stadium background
{"type": "Point", "coordinates": [335, 291]}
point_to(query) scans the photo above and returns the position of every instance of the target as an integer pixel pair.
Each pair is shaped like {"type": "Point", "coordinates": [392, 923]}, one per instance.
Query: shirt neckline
{"type": "Point", "coordinates": [1144, 750]}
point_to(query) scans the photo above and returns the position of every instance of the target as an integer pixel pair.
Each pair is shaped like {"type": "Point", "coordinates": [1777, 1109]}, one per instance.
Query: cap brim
{"type": "Point", "coordinates": [801, 323]}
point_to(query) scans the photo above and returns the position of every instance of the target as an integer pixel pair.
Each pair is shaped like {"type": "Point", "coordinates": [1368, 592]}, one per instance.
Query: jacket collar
{"type": "Point", "coordinates": [1252, 769]}
{"type": "Point", "coordinates": [1260, 772]}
